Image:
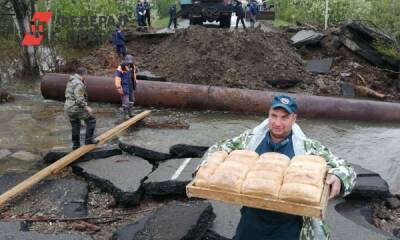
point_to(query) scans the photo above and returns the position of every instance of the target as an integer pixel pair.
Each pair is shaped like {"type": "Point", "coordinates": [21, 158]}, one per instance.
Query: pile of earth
{"type": "Point", "coordinates": [249, 59]}
{"type": "Point", "coordinates": [100, 62]}
{"type": "Point", "coordinates": [252, 59]}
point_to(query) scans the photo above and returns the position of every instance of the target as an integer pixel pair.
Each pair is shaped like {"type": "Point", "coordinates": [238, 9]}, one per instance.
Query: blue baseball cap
{"type": "Point", "coordinates": [285, 102]}
{"type": "Point", "coordinates": [129, 59]}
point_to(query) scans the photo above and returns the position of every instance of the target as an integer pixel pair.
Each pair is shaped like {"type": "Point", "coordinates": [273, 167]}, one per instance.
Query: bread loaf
{"type": "Point", "coordinates": [229, 176]}
{"type": "Point", "coordinates": [217, 157]}
{"type": "Point", "coordinates": [309, 158]}
{"type": "Point", "coordinates": [265, 178]}
{"type": "Point", "coordinates": [304, 180]}
{"type": "Point", "coordinates": [265, 174]}
{"type": "Point", "coordinates": [262, 187]}
{"type": "Point", "coordinates": [301, 193]}
{"type": "Point", "coordinates": [243, 156]}
{"type": "Point", "coordinates": [205, 171]}
{"type": "Point", "coordinates": [274, 155]}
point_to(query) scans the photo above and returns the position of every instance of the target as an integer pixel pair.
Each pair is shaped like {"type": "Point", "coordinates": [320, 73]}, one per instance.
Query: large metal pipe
{"type": "Point", "coordinates": [178, 95]}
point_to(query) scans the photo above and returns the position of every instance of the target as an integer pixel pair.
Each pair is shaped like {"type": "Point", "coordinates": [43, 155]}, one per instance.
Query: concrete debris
{"type": "Point", "coordinates": [66, 197]}
{"type": "Point", "coordinates": [121, 175]}
{"type": "Point", "coordinates": [14, 230]}
{"type": "Point", "coordinates": [104, 152]}
{"type": "Point", "coordinates": [25, 156]}
{"type": "Point", "coordinates": [360, 39]}
{"type": "Point", "coordinates": [193, 219]}
{"type": "Point", "coordinates": [306, 37]}
{"type": "Point", "coordinates": [187, 151]}
{"type": "Point", "coordinates": [322, 66]}
{"type": "Point", "coordinates": [171, 177]}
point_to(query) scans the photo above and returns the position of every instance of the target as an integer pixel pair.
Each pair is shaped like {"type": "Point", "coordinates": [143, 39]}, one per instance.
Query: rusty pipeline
{"type": "Point", "coordinates": [178, 95]}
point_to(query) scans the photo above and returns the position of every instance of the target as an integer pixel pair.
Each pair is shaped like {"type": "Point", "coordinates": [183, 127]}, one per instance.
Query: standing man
{"type": "Point", "coordinates": [125, 83]}
{"type": "Point", "coordinates": [172, 16]}
{"type": "Point", "coordinates": [280, 133]}
{"type": "Point", "coordinates": [119, 41]}
{"type": "Point", "coordinates": [140, 14]}
{"type": "Point", "coordinates": [77, 109]}
{"type": "Point", "coordinates": [239, 14]}
{"type": "Point", "coordinates": [147, 15]}
{"type": "Point", "coordinates": [253, 11]}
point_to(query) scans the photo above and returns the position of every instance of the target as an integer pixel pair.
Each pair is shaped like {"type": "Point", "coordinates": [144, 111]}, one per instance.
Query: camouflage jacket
{"type": "Point", "coordinates": [313, 229]}
{"type": "Point", "coordinates": [75, 95]}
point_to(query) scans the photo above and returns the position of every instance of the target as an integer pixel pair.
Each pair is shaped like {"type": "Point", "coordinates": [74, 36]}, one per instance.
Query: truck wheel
{"type": "Point", "coordinates": [221, 23]}
{"type": "Point", "coordinates": [199, 21]}
{"type": "Point", "coordinates": [225, 22]}
{"type": "Point", "coordinates": [195, 21]}
{"type": "Point", "coordinates": [228, 22]}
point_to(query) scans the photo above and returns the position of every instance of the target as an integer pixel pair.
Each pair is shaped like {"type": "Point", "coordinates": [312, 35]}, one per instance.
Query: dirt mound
{"type": "Point", "coordinates": [251, 59]}
{"type": "Point", "coordinates": [100, 62]}
{"type": "Point", "coordinates": [225, 58]}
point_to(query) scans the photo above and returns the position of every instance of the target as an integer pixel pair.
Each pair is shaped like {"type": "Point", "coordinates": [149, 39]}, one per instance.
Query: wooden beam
{"type": "Point", "coordinates": [68, 159]}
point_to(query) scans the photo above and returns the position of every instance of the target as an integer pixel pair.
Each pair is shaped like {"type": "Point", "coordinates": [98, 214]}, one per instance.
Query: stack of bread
{"type": "Point", "coordinates": [271, 175]}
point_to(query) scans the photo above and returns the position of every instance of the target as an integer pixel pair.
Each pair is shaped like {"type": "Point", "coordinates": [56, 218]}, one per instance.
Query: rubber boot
{"type": "Point", "coordinates": [126, 112]}
{"type": "Point", "coordinates": [130, 109]}
{"type": "Point", "coordinates": [90, 127]}
{"type": "Point", "coordinates": [76, 135]}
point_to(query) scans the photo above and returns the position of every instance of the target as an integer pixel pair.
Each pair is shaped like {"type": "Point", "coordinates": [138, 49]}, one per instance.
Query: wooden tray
{"type": "Point", "coordinates": [317, 211]}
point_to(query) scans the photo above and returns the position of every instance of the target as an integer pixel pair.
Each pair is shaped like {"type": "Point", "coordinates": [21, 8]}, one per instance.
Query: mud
{"type": "Point", "coordinates": [386, 218]}
{"type": "Point", "coordinates": [220, 57]}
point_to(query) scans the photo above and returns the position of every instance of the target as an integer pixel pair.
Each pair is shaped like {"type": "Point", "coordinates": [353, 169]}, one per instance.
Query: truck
{"type": "Point", "coordinates": [200, 11]}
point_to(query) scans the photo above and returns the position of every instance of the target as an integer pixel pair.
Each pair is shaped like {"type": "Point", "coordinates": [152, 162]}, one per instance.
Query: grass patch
{"type": "Point", "coordinates": [9, 46]}
{"type": "Point", "coordinates": [278, 23]}
{"type": "Point", "coordinates": [387, 49]}
{"type": "Point", "coordinates": [160, 23]}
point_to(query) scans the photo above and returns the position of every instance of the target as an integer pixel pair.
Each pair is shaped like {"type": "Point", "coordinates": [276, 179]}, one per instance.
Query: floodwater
{"type": "Point", "coordinates": [37, 125]}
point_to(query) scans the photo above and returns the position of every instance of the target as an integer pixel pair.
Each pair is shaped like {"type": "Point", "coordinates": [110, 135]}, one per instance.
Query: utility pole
{"type": "Point", "coordinates": [326, 13]}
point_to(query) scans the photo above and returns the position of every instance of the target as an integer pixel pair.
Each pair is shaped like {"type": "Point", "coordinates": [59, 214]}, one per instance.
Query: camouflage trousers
{"type": "Point", "coordinates": [75, 120]}
{"type": "Point", "coordinates": [81, 115]}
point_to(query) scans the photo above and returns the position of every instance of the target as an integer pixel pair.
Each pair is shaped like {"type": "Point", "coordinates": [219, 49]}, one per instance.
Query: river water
{"type": "Point", "coordinates": [37, 125]}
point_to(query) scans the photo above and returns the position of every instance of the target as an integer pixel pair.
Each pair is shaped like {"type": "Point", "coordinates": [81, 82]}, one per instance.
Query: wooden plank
{"type": "Point", "coordinates": [324, 200]}
{"type": "Point", "coordinates": [68, 159]}
{"type": "Point", "coordinates": [317, 211]}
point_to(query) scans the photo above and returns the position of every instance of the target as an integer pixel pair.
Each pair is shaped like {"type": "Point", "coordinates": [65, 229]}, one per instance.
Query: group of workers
{"type": "Point", "coordinates": [125, 74]}
{"type": "Point", "coordinates": [143, 14]}
{"type": "Point", "coordinates": [76, 99]}
{"type": "Point", "coordinates": [240, 13]}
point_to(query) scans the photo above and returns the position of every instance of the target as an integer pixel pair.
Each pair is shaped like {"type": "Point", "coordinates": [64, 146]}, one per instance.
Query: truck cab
{"type": "Point", "coordinates": [201, 11]}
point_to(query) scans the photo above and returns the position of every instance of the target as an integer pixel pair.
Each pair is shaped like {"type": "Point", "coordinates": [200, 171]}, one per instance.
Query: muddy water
{"type": "Point", "coordinates": [371, 145]}
{"type": "Point", "coordinates": [36, 125]}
